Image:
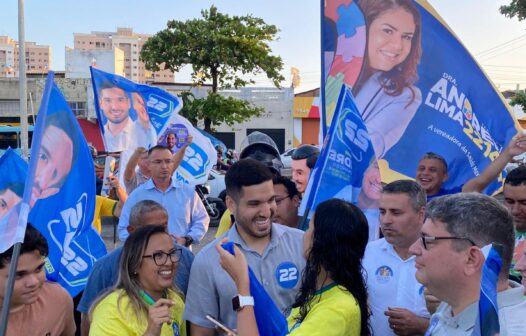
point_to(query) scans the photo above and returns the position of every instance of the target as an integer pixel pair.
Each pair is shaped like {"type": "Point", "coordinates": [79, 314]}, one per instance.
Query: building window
{"type": "Point", "coordinates": [78, 108]}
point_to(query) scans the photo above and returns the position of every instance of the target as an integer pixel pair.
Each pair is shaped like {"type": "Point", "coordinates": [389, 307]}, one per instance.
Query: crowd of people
{"type": "Point", "coordinates": [416, 272]}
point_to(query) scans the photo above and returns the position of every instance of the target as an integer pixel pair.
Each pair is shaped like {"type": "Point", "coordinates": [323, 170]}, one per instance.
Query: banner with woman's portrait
{"type": "Point", "coordinates": [417, 87]}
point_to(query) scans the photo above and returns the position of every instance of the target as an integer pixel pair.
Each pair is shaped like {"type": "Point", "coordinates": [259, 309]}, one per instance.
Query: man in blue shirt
{"type": "Point", "coordinates": [431, 172]}
{"type": "Point", "coordinates": [187, 217]}
{"type": "Point", "coordinates": [106, 270]}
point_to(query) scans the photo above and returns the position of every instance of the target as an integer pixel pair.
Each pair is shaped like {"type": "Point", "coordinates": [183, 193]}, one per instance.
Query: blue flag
{"type": "Point", "coordinates": [13, 170]}
{"type": "Point", "coordinates": [269, 319]}
{"type": "Point", "coordinates": [487, 323]}
{"type": "Point", "coordinates": [62, 194]}
{"type": "Point", "coordinates": [433, 91]}
{"type": "Point", "coordinates": [346, 155]}
{"type": "Point", "coordinates": [133, 115]}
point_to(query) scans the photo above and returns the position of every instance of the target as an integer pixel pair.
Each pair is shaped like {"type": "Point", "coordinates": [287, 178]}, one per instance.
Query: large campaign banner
{"type": "Point", "coordinates": [62, 192]}
{"type": "Point", "coordinates": [134, 115]}
{"type": "Point", "coordinates": [346, 168]}
{"type": "Point", "coordinates": [416, 86]}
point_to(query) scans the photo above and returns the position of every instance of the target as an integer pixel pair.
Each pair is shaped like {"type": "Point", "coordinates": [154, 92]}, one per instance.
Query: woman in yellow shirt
{"type": "Point", "coordinates": [333, 298]}
{"type": "Point", "coordinates": [144, 301]}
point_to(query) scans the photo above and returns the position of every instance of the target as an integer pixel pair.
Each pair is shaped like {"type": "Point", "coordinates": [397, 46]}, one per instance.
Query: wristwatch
{"type": "Point", "coordinates": [188, 241]}
{"type": "Point", "coordinates": [240, 301]}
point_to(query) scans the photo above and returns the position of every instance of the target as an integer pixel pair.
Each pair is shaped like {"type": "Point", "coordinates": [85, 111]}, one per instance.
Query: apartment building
{"type": "Point", "coordinates": [131, 44]}
{"type": "Point", "coordinates": [38, 58]}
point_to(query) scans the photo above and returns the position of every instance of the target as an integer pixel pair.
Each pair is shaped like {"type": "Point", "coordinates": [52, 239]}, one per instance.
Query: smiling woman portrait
{"type": "Point", "coordinates": [385, 94]}
{"type": "Point", "coordinates": [144, 301]}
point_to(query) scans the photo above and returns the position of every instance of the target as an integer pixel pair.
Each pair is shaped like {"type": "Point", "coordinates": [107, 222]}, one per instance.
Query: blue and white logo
{"type": "Point", "coordinates": [287, 275]}
{"type": "Point", "coordinates": [383, 274]}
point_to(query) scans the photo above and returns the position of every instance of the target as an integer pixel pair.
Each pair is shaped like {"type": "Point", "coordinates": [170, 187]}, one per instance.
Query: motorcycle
{"type": "Point", "coordinates": [215, 207]}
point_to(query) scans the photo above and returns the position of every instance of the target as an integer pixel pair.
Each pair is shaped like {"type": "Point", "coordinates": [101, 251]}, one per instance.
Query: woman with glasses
{"type": "Point", "coordinates": [144, 301]}
{"type": "Point", "coordinates": [333, 299]}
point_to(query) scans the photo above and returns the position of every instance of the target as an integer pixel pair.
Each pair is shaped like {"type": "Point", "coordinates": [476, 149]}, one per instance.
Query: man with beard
{"type": "Point", "coordinates": [396, 299]}
{"type": "Point", "coordinates": [515, 201]}
{"type": "Point", "coordinates": [273, 251]}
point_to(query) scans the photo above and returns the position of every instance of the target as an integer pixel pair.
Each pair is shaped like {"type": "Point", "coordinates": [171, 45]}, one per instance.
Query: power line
{"type": "Point", "coordinates": [501, 45]}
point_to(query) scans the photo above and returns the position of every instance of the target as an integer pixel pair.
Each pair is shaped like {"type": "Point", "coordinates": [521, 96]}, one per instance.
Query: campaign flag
{"type": "Point", "coordinates": [13, 170]}
{"type": "Point", "coordinates": [346, 155]}
{"type": "Point", "coordinates": [416, 86]}
{"type": "Point", "coordinates": [269, 319]}
{"type": "Point", "coordinates": [487, 323]}
{"type": "Point", "coordinates": [134, 115]}
{"type": "Point", "coordinates": [62, 194]}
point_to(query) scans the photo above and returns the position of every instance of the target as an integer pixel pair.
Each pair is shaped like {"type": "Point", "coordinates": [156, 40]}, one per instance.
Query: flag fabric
{"type": "Point", "coordinates": [269, 319]}
{"type": "Point", "coordinates": [61, 192]}
{"type": "Point", "coordinates": [487, 323]}
{"type": "Point", "coordinates": [435, 92]}
{"type": "Point", "coordinates": [134, 115]}
{"type": "Point", "coordinates": [13, 170]}
{"type": "Point", "coordinates": [346, 154]}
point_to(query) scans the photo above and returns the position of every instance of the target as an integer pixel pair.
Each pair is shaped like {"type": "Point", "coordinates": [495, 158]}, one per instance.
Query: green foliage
{"type": "Point", "coordinates": [217, 109]}
{"type": "Point", "coordinates": [219, 47]}
{"type": "Point", "coordinates": [515, 8]}
{"type": "Point", "coordinates": [519, 99]}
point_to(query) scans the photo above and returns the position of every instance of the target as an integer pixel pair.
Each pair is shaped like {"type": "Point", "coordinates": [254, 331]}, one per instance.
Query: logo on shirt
{"type": "Point", "coordinates": [383, 274]}
{"type": "Point", "coordinates": [287, 275]}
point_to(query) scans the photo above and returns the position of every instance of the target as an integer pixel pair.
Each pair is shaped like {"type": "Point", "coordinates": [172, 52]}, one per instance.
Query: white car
{"type": "Point", "coordinates": [286, 158]}
{"type": "Point", "coordinates": [216, 181]}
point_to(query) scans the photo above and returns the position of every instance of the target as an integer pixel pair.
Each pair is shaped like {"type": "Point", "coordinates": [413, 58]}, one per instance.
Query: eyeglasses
{"type": "Point", "coordinates": [280, 199]}
{"type": "Point", "coordinates": [427, 239]}
{"type": "Point", "coordinates": [160, 257]}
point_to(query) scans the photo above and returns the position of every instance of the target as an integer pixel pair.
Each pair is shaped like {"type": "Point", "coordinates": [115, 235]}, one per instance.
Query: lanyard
{"type": "Point", "coordinates": [150, 301]}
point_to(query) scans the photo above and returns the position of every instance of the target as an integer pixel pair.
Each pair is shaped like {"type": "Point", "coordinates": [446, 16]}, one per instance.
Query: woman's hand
{"type": "Point", "coordinates": [236, 266]}
{"type": "Point", "coordinates": [158, 314]}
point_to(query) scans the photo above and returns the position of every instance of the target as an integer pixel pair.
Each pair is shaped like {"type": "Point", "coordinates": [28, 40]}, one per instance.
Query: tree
{"type": "Point", "coordinates": [519, 99]}
{"type": "Point", "coordinates": [221, 49]}
{"type": "Point", "coordinates": [515, 8]}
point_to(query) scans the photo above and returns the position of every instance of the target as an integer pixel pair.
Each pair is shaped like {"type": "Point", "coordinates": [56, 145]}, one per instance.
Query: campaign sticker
{"type": "Point", "coordinates": [383, 274]}
{"type": "Point", "coordinates": [287, 275]}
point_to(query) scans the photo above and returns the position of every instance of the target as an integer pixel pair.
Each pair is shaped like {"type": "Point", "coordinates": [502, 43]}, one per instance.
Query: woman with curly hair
{"type": "Point", "coordinates": [333, 296]}
{"type": "Point", "coordinates": [385, 94]}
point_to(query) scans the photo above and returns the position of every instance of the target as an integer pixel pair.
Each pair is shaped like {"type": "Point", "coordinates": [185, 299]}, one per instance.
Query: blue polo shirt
{"type": "Point", "coordinates": [444, 191]}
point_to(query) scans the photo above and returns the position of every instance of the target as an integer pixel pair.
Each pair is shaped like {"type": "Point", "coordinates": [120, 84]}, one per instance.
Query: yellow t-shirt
{"type": "Point", "coordinates": [103, 207]}
{"type": "Point", "coordinates": [335, 314]}
{"type": "Point", "coordinates": [224, 224]}
{"type": "Point", "coordinates": [113, 317]}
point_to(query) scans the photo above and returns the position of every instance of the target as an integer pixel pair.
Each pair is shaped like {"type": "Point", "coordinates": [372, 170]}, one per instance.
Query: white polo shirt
{"type": "Point", "coordinates": [391, 283]}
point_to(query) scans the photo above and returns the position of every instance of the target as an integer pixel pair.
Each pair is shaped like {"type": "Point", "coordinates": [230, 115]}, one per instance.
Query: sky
{"type": "Point", "coordinates": [498, 43]}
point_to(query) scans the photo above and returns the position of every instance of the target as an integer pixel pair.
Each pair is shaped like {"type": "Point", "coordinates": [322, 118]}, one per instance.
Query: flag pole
{"type": "Point", "coordinates": [22, 79]}
{"type": "Point", "coordinates": [9, 288]}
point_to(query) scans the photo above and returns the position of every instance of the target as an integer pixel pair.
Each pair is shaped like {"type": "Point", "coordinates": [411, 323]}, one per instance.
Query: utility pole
{"type": "Point", "coordinates": [22, 80]}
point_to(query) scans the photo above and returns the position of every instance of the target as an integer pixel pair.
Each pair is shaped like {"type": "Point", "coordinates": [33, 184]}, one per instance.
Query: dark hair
{"type": "Point", "coordinates": [413, 190]}
{"type": "Point", "coordinates": [431, 155]}
{"type": "Point", "coordinates": [245, 173]}
{"type": "Point", "coordinates": [340, 234]}
{"type": "Point", "coordinates": [107, 84]}
{"type": "Point", "coordinates": [33, 241]}
{"type": "Point", "coordinates": [403, 75]}
{"type": "Point", "coordinates": [158, 148]}
{"type": "Point", "coordinates": [516, 177]}
{"type": "Point", "coordinates": [288, 184]}
{"type": "Point", "coordinates": [308, 152]}
{"type": "Point", "coordinates": [15, 186]}
{"type": "Point", "coordinates": [141, 208]}
{"type": "Point", "coordinates": [131, 259]}
{"type": "Point", "coordinates": [478, 217]}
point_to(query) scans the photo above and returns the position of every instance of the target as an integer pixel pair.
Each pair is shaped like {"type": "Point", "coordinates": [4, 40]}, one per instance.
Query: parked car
{"type": "Point", "coordinates": [286, 158]}
{"type": "Point", "coordinates": [216, 181]}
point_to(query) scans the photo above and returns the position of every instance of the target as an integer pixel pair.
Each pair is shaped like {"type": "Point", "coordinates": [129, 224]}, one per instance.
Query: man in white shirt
{"type": "Point", "coordinates": [396, 299]}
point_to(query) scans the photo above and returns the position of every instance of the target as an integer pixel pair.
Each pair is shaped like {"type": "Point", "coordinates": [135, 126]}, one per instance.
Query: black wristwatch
{"type": "Point", "coordinates": [188, 241]}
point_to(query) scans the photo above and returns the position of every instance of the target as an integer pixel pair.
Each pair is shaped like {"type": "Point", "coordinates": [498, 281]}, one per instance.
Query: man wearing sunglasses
{"type": "Point", "coordinates": [449, 262]}
{"type": "Point", "coordinates": [396, 299]}
{"type": "Point", "coordinates": [106, 270]}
